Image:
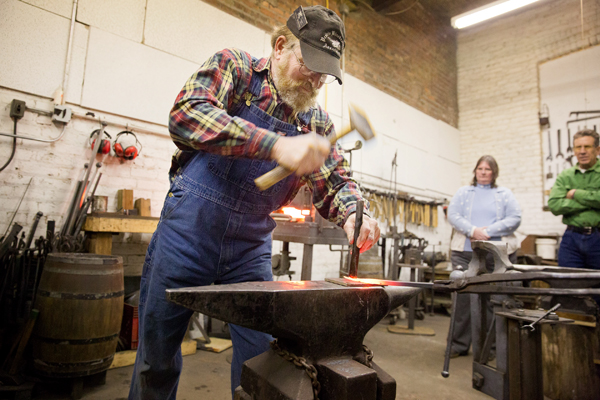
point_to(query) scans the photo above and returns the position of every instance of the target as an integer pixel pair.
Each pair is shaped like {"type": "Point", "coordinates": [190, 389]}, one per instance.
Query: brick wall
{"type": "Point", "coordinates": [408, 91]}
{"type": "Point", "coordinates": [410, 56]}
{"type": "Point", "coordinates": [499, 97]}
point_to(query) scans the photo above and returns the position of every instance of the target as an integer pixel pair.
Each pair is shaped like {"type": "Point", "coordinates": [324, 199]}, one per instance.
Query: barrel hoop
{"type": "Point", "coordinates": [78, 341]}
{"type": "Point", "coordinates": [80, 296]}
{"type": "Point", "coordinates": [83, 271]}
{"type": "Point", "coordinates": [83, 258]}
{"type": "Point", "coordinates": [81, 364]}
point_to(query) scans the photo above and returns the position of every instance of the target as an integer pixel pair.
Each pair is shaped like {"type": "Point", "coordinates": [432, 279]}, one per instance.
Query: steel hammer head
{"type": "Point", "coordinates": [360, 123]}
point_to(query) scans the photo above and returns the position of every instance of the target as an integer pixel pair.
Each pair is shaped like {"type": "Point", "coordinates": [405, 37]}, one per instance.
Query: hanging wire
{"type": "Point", "coordinates": [403, 11]}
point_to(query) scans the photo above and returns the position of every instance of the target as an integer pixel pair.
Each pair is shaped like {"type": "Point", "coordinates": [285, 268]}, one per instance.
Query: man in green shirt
{"type": "Point", "coordinates": [576, 196]}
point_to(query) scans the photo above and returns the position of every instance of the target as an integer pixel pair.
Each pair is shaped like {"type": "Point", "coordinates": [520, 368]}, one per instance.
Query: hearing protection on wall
{"type": "Point", "coordinates": [129, 152]}
{"type": "Point", "coordinates": [104, 144]}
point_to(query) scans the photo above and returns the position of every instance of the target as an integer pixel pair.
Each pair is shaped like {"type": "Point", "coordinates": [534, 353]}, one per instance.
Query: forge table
{"type": "Point", "coordinates": [309, 233]}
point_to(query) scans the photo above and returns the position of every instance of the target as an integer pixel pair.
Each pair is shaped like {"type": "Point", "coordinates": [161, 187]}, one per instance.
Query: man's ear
{"type": "Point", "coordinates": [279, 47]}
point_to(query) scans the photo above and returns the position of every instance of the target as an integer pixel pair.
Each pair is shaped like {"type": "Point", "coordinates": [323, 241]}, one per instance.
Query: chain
{"type": "Point", "coordinates": [368, 356]}
{"type": "Point", "coordinates": [311, 371]}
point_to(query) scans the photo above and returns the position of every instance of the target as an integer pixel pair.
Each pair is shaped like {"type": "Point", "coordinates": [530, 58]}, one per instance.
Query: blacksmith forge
{"type": "Point", "coordinates": [319, 326]}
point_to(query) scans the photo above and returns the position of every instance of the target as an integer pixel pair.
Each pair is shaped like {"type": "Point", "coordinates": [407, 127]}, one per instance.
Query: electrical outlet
{"type": "Point", "coordinates": [61, 114]}
{"type": "Point", "coordinates": [17, 109]}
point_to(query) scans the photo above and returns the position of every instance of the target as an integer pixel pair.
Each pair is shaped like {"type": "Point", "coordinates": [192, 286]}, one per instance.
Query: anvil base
{"type": "Point", "coordinates": [270, 377]}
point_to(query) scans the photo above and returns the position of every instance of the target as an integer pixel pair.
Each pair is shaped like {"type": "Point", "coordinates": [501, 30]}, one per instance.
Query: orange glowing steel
{"type": "Point", "coordinates": [368, 281]}
{"type": "Point", "coordinates": [294, 213]}
{"type": "Point", "coordinates": [296, 283]}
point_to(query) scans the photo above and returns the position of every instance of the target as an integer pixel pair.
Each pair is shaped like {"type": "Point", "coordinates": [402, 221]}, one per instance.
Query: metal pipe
{"type": "Point", "coordinates": [37, 140]}
{"type": "Point", "coordinates": [582, 119]}
{"type": "Point", "coordinates": [65, 81]}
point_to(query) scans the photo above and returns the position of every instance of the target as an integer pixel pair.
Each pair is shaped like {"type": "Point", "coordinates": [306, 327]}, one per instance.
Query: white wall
{"type": "Point", "coordinates": [129, 60]}
{"type": "Point", "coordinates": [499, 94]}
{"type": "Point", "coordinates": [568, 84]}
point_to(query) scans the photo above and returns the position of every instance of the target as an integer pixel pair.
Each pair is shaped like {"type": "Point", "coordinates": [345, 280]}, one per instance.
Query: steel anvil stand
{"type": "Point", "coordinates": [320, 327]}
{"type": "Point", "coordinates": [517, 373]}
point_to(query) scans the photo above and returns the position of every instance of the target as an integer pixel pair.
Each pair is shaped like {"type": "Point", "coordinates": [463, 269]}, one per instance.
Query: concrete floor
{"type": "Point", "coordinates": [414, 361]}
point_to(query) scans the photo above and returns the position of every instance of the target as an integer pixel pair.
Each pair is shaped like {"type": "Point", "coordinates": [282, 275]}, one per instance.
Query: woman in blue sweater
{"type": "Point", "coordinates": [480, 211]}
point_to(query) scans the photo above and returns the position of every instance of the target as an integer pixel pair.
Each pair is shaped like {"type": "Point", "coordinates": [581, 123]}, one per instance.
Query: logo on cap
{"type": "Point", "coordinates": [332, 41]}
{"type": "Point", "coordinates": [300, 18]}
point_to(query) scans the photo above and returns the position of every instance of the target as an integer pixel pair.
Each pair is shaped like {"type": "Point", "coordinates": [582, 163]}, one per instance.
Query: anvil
{"type": "Point", "coordinates": [320, 321]}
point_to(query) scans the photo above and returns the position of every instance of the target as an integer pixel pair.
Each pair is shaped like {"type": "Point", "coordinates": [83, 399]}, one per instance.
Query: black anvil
{"type": "Point", "coordinates": [322, 323]}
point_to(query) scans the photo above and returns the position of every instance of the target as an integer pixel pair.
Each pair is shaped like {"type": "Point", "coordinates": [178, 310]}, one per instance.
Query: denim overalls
{"type": "Point", "coordinates": [214, 228]}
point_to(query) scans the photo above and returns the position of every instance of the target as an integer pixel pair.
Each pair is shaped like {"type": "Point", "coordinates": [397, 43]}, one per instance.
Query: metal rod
{"type": "Point", "coordinates": [18, 206]}
{"type": "Point", "coordinates": [33, 229]}
{"type": "Point", "coordinates": [531, 325]}
{"type": "Point", "coordinates": [584, 112]}
{"type": "Point", "coordinates": [582, 119]}
{"type": "Point", "coordinates": [86, 177]}
{"type": "Point", "coordinates": [360, 204]}
{"type": "Point", "coordinates": [445, 371]}
{"type": "Point", "coordinates": [71, 210]}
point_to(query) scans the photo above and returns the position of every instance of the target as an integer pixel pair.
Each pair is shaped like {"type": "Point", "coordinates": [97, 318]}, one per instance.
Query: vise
{"type": "Point", "coordinates": [318, 351]}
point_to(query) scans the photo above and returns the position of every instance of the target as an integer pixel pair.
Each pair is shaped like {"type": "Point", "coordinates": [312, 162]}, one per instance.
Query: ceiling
{"type": "Point", "coordinates": [442, 8]}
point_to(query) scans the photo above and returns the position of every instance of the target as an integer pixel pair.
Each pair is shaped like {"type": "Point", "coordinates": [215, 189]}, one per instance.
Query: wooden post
{"type": "Point", "coordinates": [143, 207]}
{"type": "Point", "coordinates": [124, 199]}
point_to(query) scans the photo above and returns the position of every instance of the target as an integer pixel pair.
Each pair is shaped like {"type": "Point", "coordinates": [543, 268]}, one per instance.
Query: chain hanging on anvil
{"type": "Point", "coordinates": [311, 371]}
{"type": "Point", "coordinates": [368, 356]}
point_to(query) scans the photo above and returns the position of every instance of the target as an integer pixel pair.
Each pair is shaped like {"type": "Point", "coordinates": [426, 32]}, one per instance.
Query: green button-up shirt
{"type": "Point", "coordinates": [584, 209]}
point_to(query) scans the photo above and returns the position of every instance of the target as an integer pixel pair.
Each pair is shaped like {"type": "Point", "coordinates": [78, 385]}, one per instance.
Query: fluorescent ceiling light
{"type": "Point", "coordinates": [486, 12]}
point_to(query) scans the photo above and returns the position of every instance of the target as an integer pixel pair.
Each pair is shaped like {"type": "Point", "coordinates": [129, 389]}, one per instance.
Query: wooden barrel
{"type": "Point", "coordinates": [80, 300]}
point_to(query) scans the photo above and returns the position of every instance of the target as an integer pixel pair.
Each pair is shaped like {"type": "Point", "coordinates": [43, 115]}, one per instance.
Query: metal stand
{"type": "Point", "coordinates": [518, 371]}
{"type": "Point", "coordinates": [412, 307]}
{"type": "Point", "coordinates": [309, 233]}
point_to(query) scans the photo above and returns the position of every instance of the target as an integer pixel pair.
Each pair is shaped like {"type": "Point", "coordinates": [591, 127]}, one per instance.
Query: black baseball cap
{"type": "Point", "coordinates": [322, 38]}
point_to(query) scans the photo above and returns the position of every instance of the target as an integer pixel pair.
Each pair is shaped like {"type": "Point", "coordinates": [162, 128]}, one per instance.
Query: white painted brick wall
{"type": "Point", "coordinates": [498, 95]}
{"type": "Point", "coordinates": [55, 168]}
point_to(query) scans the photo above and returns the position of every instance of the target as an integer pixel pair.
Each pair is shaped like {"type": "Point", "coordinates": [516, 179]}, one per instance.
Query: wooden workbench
{"type": "Point", "coordinates": [101, 227]}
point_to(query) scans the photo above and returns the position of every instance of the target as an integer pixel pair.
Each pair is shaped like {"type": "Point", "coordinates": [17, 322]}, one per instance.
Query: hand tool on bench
{"type": "Point", "coordinates": [358, 122]}
{"type": "Point", "coordinates": [550, 311]}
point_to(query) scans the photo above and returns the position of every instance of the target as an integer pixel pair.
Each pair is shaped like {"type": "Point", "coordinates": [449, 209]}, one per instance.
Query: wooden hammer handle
{"type": "Point", "coordinates": [278, 173]}
{"type": "Point", "coordinates": [267, 180]}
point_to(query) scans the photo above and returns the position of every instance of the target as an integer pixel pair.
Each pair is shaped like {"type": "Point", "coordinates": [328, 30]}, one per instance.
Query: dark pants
{"type": "Point", "coordinates": [461, 339]}
{"type": "Point", "coordinates": [579, 251]}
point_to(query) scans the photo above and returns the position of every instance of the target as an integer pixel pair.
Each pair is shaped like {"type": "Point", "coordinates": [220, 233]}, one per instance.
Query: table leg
{"type": "Point", "coordinates": [100, 243]}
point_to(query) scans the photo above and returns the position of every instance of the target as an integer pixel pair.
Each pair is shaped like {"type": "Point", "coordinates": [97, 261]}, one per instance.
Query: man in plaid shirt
{"type": "Point", "coordinates": [235, 119]}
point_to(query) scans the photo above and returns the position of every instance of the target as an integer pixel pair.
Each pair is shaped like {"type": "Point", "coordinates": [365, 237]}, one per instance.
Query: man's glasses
{"type": "Point", "coordinates": [586, 148]}
{"type": "Point", "coordinates": [304, 70]}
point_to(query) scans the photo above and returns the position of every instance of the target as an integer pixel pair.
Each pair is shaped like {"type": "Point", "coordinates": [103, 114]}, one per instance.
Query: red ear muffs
{"type": "Point", "coordinates": [104, 144]}
{"type": "Point", "coordinates": [129, 152]}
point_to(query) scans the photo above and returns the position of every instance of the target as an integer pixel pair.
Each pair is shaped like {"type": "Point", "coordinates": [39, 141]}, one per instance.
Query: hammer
{"type": "Point", "coordinates": [358, 122]}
